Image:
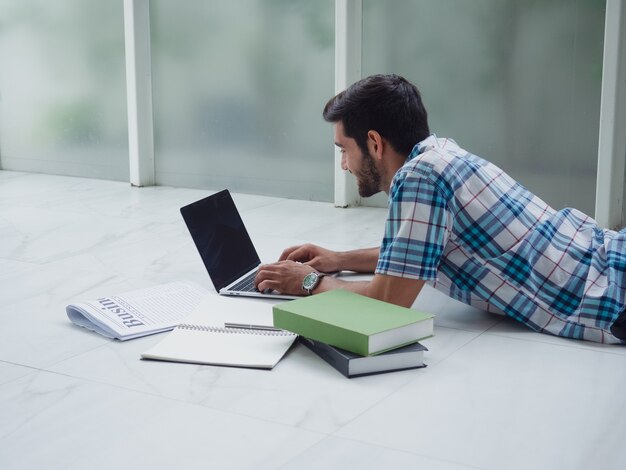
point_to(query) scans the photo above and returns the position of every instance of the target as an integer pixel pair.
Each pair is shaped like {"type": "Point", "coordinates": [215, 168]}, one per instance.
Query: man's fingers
{"type": "Point", "coordinates": [268, 271]}
{"type": "Point", "coordinates": [313, 261]}
{"type": "Point", "coordinates": [301, 254]}
{"type": "Point", "coordinates": [268, 284]}
{"type": "Point", "coordinates": [262, 274]}
{"type": "Point", "coordinates": [287, 252]}
{"type": "Point", "coordinates": [282, 276]}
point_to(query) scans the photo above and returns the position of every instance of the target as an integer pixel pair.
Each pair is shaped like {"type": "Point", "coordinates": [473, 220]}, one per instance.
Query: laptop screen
{"type": "Point", "coordinates": [221, 238]}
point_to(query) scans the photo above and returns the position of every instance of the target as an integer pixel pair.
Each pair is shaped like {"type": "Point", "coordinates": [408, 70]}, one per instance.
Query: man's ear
{"type": "Point", "coordinates": [375, 144]}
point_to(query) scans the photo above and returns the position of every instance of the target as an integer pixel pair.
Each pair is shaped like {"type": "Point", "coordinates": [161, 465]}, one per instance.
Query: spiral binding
{"type": "Point", "coordinates": [219, 329]}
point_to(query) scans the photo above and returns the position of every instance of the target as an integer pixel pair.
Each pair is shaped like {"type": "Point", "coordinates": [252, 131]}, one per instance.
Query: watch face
{"type": "Point", "coordinates": [309, 280]}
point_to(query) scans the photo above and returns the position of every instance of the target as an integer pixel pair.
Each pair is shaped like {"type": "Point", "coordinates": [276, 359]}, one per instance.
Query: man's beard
{"type": "Point", "coordinates": [368, 177]}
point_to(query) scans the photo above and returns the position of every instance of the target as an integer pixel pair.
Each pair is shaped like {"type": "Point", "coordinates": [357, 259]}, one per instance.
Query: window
{"type": "Point", "coordinates": [238, 93]}
{"type": "Point", "coordinates": [63, 88]}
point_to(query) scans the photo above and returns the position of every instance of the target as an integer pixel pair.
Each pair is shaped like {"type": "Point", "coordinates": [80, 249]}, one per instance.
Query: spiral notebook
{"type": "Point", "coordinates": [202, 338]}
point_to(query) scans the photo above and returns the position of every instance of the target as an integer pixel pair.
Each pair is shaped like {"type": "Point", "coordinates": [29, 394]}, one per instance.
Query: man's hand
{"type": "Point", "coordinates": [284, 276]}
{"type": "Point", "coordinates": [319, 258]}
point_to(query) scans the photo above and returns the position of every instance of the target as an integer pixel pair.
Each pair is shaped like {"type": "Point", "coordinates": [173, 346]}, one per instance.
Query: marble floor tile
{"type": "Point", "coordinates": [9, 372]}
{"type": "Point", "coordinates": [358, 227]}
{"type": "Point", "coordinates": [10, 268]}
{"type": "Point", "coordinates": [451, 313]}
{"type": "Point", "coordinates": [335, 453]}
{"type": "Point", "coordinates": [510, 328]}
{"type": "Point", "coordinates": [502, 403]}
{"type": "Point", "coordinates": [445, 342]}
{"type": "Point", "coordinates": [302, 390]}
{"type": "Point", "coordinates": [35, 329]}
{"type": "Point", "coordinates": [57, 422]}
{"type": "Point", "coordinates": [42, 235]}
{"type": "Point", "coordinates": [319, 222]}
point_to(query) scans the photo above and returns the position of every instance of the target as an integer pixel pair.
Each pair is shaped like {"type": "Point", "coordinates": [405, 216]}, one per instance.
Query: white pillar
{"type": "Point", "coordinates": [348, 31]}
{"type": "Point", "coordinates": [139, 92]}
{"type": "Point", "coordinates": [612, 136]}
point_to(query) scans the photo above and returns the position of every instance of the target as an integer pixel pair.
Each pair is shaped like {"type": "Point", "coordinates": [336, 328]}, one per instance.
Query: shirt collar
{"type": "Point", "coordinates": [428, 143]}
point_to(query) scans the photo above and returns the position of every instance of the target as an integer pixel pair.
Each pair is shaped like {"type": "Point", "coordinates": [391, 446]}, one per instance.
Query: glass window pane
{"type": "Point", "coordinates": [238, 93]}
{"type": "Point", "coordinates": [515, 82]}
{"type": "Point", "coordinates": [62, 88]}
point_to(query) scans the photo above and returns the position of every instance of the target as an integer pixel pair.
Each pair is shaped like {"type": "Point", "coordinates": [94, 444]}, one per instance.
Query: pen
{"type": "Point", "coordinates": [246, 326]}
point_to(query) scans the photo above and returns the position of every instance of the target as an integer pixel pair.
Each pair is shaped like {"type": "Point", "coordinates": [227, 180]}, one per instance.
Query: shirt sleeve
{"type": "Point", "coordinates": [416, 230]}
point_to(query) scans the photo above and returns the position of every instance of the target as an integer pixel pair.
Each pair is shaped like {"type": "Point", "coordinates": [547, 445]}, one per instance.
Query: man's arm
{"type": "Point", "coordinates": [396, 290]}
{"type": "Point", "coordinates": [360, 261]}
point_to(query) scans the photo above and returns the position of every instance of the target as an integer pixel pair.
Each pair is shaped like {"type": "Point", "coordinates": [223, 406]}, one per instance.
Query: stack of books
{"type": "Point", "coordinates": [355, 334]}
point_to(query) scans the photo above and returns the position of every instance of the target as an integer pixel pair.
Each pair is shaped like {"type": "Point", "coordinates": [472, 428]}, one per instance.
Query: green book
{"type": "Point", "coordinates": [353, 322]}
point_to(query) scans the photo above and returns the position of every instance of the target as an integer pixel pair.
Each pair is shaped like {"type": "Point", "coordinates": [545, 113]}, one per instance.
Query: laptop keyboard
{"type": "Point", "coordinates": [246, 284]}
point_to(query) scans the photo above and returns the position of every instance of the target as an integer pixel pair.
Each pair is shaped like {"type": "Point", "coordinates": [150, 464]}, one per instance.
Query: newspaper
{"type": "Point", "coordinates": [140, 312]}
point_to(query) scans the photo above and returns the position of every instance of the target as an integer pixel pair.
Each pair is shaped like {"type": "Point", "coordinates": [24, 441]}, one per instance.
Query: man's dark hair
{"type": "Point", "coordinates": [388, 104]}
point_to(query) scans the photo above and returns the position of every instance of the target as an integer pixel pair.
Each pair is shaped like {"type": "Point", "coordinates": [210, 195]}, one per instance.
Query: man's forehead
{"type": "Point", "coordinates": [340, 137]}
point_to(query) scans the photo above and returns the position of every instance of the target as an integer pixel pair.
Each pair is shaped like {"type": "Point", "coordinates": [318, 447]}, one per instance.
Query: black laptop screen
{"type": "Point", "coordinates": [221, 238]}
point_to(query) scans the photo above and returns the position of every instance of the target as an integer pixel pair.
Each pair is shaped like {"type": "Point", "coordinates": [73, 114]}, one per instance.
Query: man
{"type": "Point", "coordinates": [462, 225]}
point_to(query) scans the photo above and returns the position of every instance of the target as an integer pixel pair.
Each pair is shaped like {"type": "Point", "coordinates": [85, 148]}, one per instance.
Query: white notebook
{"type": "Point", "coordinates": [202, 338]}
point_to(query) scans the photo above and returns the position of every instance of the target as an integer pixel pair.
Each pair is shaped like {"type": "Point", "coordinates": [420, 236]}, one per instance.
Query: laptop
{"type": "Point", "coordinates": [225, 246]}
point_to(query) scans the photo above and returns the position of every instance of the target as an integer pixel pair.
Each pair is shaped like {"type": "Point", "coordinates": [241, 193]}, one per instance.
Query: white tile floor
{"type": "Point", "coordinates": [494, 395]}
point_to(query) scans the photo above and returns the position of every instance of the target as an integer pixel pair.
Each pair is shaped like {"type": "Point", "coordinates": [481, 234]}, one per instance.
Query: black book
{"type": "Point", "coordinates": [353, 365]}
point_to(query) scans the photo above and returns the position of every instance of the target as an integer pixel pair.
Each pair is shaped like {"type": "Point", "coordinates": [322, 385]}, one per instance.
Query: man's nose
{"type": "Point", "coordinates": [344, 165]}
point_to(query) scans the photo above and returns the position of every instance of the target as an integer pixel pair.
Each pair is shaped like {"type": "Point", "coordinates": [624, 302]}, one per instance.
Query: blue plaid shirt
{"type": "Point", "coordinates": [471, 231]}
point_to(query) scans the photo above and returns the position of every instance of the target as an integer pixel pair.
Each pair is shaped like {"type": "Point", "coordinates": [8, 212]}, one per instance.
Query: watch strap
{"type": "Point", "coordinates": [318, 278]}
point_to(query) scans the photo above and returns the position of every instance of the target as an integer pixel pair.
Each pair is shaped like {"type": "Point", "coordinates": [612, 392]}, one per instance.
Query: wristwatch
{"type": "Point", "coordinates": [311, 281]}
